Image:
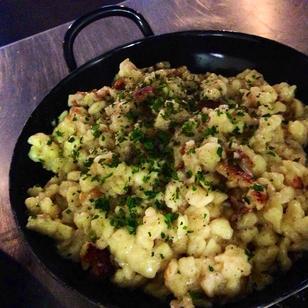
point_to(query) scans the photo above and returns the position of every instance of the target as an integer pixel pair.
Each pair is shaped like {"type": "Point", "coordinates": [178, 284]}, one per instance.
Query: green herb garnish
{"type": "Point", "coordinates": [210, 131]}
{"type": "Point", "coordinates": [136, 134]}
{"type": "Point", "coordinates": [170, 218]}
{"type": "Point", "coordinates": [95, 130]}
{"type": "Point", "coordinates": [219, 151]}
{"type": "Point", "coordinates": [257, 187]}
{"type": "Point", "coordinates": [188, 128]}
{"type": "Point", "coordinates": [102, 204]}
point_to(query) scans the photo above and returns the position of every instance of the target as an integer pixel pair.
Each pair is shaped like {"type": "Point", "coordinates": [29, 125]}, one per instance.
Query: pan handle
{"type": "Point", "coordinates": [105, 11]}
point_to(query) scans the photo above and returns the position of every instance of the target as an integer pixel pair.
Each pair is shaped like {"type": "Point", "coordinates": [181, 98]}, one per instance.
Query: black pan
{"type": "Point", "coordinates": [218, 51]}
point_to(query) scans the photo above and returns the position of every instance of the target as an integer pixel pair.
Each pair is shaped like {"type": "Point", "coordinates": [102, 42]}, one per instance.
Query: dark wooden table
{"type": "Point", "coordinates": [32, 67]}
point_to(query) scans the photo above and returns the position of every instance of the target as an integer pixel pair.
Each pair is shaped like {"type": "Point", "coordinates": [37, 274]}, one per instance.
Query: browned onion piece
{"type": "Point", "coordinates": [209, 104]}
{"type": "Point", "coordinates": [234, 173]}
{"type": "Point", "coordinates": [99, 262]}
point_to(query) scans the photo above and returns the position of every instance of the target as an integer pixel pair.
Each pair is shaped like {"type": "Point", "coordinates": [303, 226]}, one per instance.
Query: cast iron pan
{"type": "Point", "coordinates": [218, 51]}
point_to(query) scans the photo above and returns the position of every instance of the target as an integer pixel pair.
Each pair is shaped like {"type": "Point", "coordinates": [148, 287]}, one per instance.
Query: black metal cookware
{"type": "Point", "coordinates": [217, 51]}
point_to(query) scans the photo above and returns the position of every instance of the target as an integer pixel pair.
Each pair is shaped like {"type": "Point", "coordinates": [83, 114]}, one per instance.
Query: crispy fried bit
{"type": "Point", "coordinates": [119, 84]}
{"type": "Point", "coordinates": [234, 174]}
{"type": "Point", "coordinates": [140, 95]}
{"type": "Point", "coordinates": [208, 104]}
{"type": "Point", "coordinates": [99, 262]}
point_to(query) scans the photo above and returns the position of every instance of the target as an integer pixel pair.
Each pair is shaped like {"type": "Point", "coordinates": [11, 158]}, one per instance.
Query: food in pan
{"type": "Point", "coordinates": [186, 184]}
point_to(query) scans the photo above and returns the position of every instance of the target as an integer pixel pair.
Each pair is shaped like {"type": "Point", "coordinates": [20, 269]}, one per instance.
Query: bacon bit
{"type": "Point", "coordinates": [141, 94]}
{"type": "Point", "coordinates": [234, 173]}
{"type": "Point", "coordinates": [208, 104]}
{"type": "Point", "coordinates": [259, 196]}
{"type": "Point", "coordinates": [99, 261]}
{"type": "Point", "coordinates": [297, 183]}
{"type": "Point", "coordinates": [257, 199]}
{"type": "Point", "coordinates": [119, 84]}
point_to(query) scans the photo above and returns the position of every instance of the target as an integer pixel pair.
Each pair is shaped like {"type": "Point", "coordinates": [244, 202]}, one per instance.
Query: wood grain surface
{"type": "Point", "coordinates": [30, 68]}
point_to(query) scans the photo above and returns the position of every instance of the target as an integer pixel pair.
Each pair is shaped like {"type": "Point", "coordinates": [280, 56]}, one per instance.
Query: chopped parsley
{"type": "Point", "coordinates": [102, 204]}
{"type": "Point", "coordinates": [136, 134]}
{"type": "Point", "coordinates": [146, 178]}
{"type": "Point", "coordinates": [177, 193]}
{"type": "Point", "coordinates": [236, 130]}
{"type": "Point", "coordinates": [270, 152]}
{"type": "Point", "coordinates": [132, 224]}
{"type": "Point", "coordinates": [132, 116]}
{"type": "Point", "coordinates": [169, 218]}
{"type": "Point", "coordinates": [266, 116]}
{"type": "Point", "coordinates": [104, 178]}
{"type": "Point", "coordinates": [59, 133]}
{"type": "Point", "coordinates": [133, 201]}
{"type": "Point", "coordinates": [246, 199]}
{"type": "Point", "coordinates": [160, 205]}
{"type": "Point", "coordinates": [151, 194]}
{"type": "Point", "coordinates": [189, 174]}
{"type": "Point", "coordinates": [231, 119]}
{"type": "Point", "coordinates": [157, 103]}
{"type": "Point", "coordinates": [75, 154]}
{"type": "Point", "coordinates": [257, 187]}
{"type": "Point", "coordinates": [95, 130]}
{"type": "Point", "coordinates": [219, 151]}
{"type": "Point", "coordinates": [200, 179]}
{"type": "Point", "coordinates": [115, 161]}
{"type": "Point", "coordinates": [204, 117]}
{"type": "Point", "coordinates": [88, 162]}
{"type": "Point", "coordinates": [129, 220]}
{"type": "Point", "coordinates": [210, 131]}
{"type": "Point", "coordinates": [188, 128]}
{"type": "Point", "coordinates": [148, 144]}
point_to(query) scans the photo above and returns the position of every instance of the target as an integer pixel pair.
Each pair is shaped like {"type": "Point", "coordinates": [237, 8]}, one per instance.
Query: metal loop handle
{"type": "Point", "coordinates": [105, 11]}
